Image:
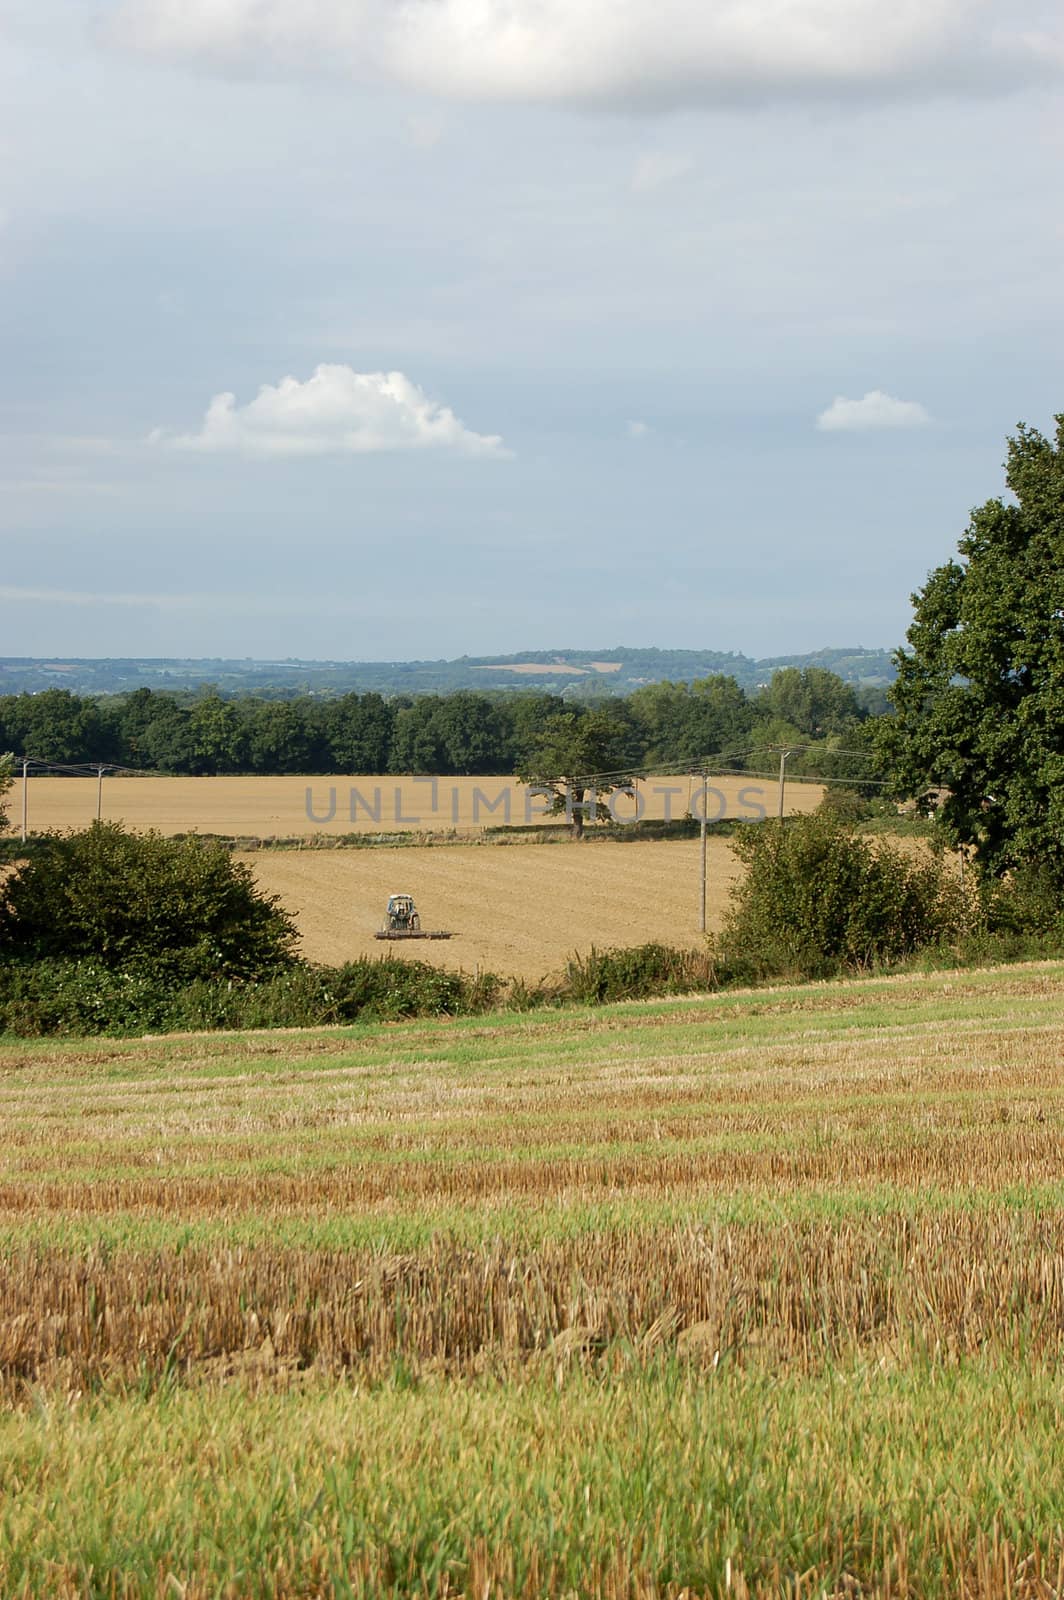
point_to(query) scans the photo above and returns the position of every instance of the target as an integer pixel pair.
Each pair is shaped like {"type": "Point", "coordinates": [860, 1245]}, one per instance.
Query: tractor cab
{"type": "Point", "coordinates": [402, 914]}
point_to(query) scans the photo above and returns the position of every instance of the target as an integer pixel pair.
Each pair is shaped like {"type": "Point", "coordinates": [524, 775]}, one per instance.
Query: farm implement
{"type": "Point", "coordinates": [402, 921]}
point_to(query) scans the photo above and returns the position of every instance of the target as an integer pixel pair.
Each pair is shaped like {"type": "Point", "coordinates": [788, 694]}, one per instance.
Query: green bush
{"type": "Point", "coordinates": [1029, 902]}
{"type": "Point", "coordinates": [636, 973]}
{"type": "Point", "coordinates": [84, 997]}
{"type": "Point", "coordinates": [845, 805]}
{"type": "Point", "coordinates": [81, 997]}
{"type": "Point", "coordinates": [390, 989]}
{"type": "Point", "coordinates": [817, 899]}
{"type": "Point", "coordinates": [181, 908]}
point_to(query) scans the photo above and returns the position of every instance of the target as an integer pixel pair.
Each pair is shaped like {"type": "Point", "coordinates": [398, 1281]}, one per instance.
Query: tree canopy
{"type": "Point", "coordinates": [579, 758]}
{"type": "Point", "coordinates": [671, 725]}
{"type": "Point", "coordinates": [979, 696]}
{"type": "Point", "coordinates": [6, 767]}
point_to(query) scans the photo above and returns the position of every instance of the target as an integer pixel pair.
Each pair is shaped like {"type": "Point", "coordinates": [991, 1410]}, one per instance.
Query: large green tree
{"type": "Point", "coordinates": [680, 724]}
{"type": "Point", "coordinates": [359, 733]}
{"type": "Point", "coordinates": [816, 702]}
{"type": "Point", "coordinates": [580, 758]}
{"type": "Point", "coordinates": [56, 725]}
{"type": "Point", "coordinates": [217, 735]}
{"type": "Point", "coordinates": [979, 697]}
{"type": "Point", "coordinates": [277, 738]}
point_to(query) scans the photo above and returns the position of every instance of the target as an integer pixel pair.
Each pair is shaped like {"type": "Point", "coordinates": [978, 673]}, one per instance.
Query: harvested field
{"type": "Point", "coordinates": [754, 1294]}
{"type": "Point", "coordinates": [294, 807]}
{"type": "Point", "coordinates": [518, 910]}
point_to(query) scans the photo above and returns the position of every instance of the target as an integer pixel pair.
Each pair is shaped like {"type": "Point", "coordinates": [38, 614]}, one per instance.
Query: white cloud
{"type": "Point", "coordinates": [654, 170]}
{"type": "Point", "coordinates": [337, 411]}
{"type": "Point", "coordinates": [633, 52]}
{"type": "Point", "coordinates": [873, 410]}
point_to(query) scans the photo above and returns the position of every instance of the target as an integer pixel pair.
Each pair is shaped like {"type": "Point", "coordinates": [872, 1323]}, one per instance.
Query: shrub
{"type": "Point", "coordinates": [817, 899]}
{"type": "Point", "coordinates": [86, 997]}
{"type": "Point", "coordinates": [636, 973]}
{"type": "Point", "coordinates": [81, 997]}
{"type": "Point", "coordinates": [181, 908]}
{"type": "Point", "coordinates": [390, 989]}
{"type": "Point", "coordinates": [843, 804]}
{"type": "Point", "coordinates": [1030, 901]}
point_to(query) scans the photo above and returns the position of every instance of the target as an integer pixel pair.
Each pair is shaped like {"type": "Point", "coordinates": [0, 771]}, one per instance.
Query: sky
{"type": "Point", "coordinates": [383, 329]}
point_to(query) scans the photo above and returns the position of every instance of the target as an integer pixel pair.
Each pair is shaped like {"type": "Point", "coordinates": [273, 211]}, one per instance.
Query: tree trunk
{"type": "Point", "coordinates": [576, 809]}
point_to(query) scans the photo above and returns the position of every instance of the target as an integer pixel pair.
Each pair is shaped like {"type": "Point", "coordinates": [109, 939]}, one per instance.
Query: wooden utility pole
{"type": "Point", "coordinates": [783, 778]}
{"type": "Point", "coordinates": [702, 841]}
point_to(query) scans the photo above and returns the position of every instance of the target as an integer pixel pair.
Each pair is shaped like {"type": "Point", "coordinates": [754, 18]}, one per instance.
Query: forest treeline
{"type": "Point", "coordinates": [662, 724]}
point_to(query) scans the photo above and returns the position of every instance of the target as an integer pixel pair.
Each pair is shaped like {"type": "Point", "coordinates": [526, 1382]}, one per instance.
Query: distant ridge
{"type": "Point", "coordinates": [577, 674]}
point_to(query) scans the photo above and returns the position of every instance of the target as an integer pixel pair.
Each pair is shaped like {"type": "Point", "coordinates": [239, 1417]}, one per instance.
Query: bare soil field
{"type": "Point", "coordinates": [518, 910]}
{"type": "Point", "coordinates": [297, 807]}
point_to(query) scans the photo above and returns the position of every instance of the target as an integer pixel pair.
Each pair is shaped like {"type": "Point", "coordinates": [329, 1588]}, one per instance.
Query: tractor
{"type": "Point", "coordinates": [401, 921]}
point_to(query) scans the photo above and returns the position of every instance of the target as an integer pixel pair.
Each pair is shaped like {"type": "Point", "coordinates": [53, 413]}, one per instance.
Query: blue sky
{"type": "Point", "coordinates": [383, 328]}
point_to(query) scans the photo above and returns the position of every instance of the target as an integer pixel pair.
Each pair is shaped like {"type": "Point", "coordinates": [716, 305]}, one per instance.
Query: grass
{"type": "Point", "coordinates": [754, 1294]}
{"type": "Point", "coordinates": [732, 1483]}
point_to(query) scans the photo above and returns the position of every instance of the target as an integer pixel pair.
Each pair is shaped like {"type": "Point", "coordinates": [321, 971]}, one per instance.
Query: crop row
{"type": "Point", "coordinates": [951, 1283]}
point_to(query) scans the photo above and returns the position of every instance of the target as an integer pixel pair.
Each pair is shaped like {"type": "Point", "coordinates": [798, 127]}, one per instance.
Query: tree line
{"type": "Point", "coordinates": [465, 733]}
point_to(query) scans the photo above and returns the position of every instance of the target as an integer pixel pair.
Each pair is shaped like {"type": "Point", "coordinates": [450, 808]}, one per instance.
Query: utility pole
{"type": "Point", "coordinates": [25, 796]}
{"type": "Point", "coordinates": [783, 778]}
{"type": "Point", "coordinates": [702, 842]}
{"type": "Point", "coordinates": [99, 793]}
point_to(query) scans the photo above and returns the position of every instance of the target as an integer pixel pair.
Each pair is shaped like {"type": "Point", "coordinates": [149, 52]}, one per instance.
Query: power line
{"type": "Point", "coordinates": [713, 764]}
{"type": "Point", "coordinates": [86, 769]}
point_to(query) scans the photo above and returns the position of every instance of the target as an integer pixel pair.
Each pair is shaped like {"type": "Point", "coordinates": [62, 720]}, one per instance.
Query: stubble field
{"type": "Point", "coordinates": [757, 1293]}
{"type": "Point", "coordinates": [299, 807]}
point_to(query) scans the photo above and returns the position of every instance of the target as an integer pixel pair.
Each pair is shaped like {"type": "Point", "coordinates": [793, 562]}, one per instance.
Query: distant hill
{"type": "Point", "coordinates": [577, 674]}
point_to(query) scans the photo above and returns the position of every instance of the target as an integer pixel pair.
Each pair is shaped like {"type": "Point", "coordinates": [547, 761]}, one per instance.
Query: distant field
{"type": "Point", "coordinates": [518, 910]}
{"type": "Point", "coordinates": [747, 1294]}
{"type": "Point", "coordinates": [291, 807]}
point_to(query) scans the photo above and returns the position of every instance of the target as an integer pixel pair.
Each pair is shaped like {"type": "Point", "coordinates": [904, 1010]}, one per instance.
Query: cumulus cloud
{"type": "Point", "coordinates": [632, 52]}
{"type": "Point", "coordinates": [337, 411]}
{"type": "Point", "coordinates": [873, 410]}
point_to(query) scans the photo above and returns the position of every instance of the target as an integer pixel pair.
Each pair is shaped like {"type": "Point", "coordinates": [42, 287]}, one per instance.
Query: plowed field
{"type": "Point", "coordinates": [517, 910]}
